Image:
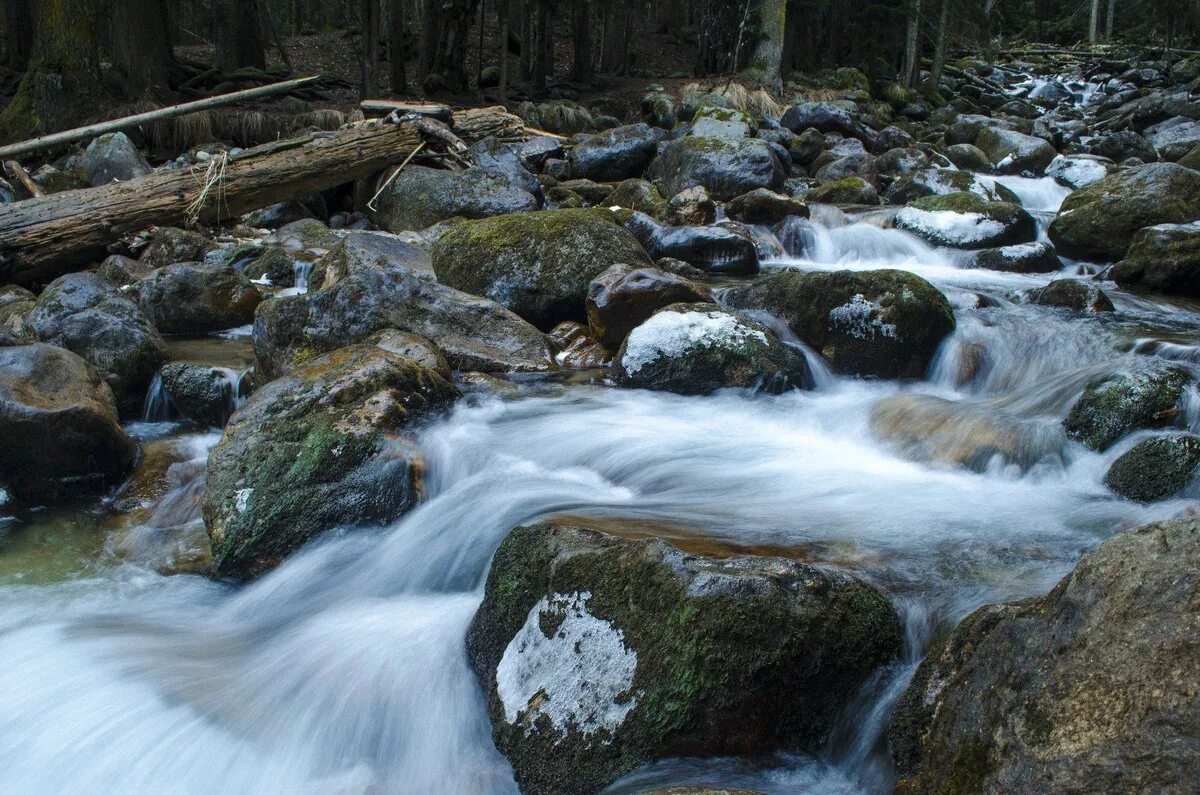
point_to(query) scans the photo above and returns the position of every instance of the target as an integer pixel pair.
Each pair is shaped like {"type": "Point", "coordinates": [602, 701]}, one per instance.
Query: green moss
{"type": "Point", "coordinates": [1114, 407]}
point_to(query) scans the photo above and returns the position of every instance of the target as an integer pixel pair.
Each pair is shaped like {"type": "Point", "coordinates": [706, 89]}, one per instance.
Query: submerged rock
{"type": "Point", "coordinates": [1090, 688]}
{"type": "Point", "coordinates": [1077, 294]}
{"type": "Point", "coordinates": [316, 450]}
{"type": "Point", "coordinates": [59, 423]}
{"type": "Point", "coordinates": [421, 197]}
{"type": "Point", "coordinates": [599, 653]}
{"type": "Point", "coordinates": [624, 297]}
{"type": "Point", "coordinates": [1099, 222]}
{"type": "Point", "coordinates": [884, 323]}
{"type": "Point", "coordinates": [536, 264]}
{"type": "Point", "coordinates": [1155, 468]}
{"type": "Point", "coordinates": [1164, 258]}
{"type": "Point", "coordinates": [1119, 404]}
{"type": "Point", "coordinates": [194, 298]}
{"type": "Point", "coordinates": [965, 220]}
{"type": "Point", "coordinates": [86, 314]}
{"type": "Point", "coordinates": [696, 349]}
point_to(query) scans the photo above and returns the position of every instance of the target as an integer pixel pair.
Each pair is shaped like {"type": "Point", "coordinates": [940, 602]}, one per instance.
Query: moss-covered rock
{"type": "Point", "coordinates": [725, 167]}
{"type": "Point", "coordinates": [616, 154]}
{"type": "Point", "coordinates": [762, 206]}
{"type": "Point", "coordinates": [1079, 295]}
{"type": "Point", "coordinates": [966, 220]}
{"type": "Point", "coordinates": [907, 188]}
{"type": "Point", "coordinates": [1164, 258]}
{"type": "Point", "coordinates": [640, 195]}
{"type": "Point", "coordinates": [1155, 468]}
{"type": "Point", "coordinates": [1021, 258]}
{"type": "Point", "coordinates": [536, 264]}
{"type": "Point", "coordinates": [696, 349]}
{"type": "Point", "coordinates": [659, 110]}
{"type": "Point", "coordinates": [851, 190]}
{"type": "Point", "coordinates": [421, 197]}
{"type": "Point", "coordinates": [968, 157]}
{"type": "Point", "coordinates": [884, 323]}
{"type": "Point", "coordinates": [691, 207]}
{"type": "Point", "coordinates": [59, 423]}
{"type": "Point", "coordinates": [1011, 152]}
{"type": "Point", "coordinates": [598, 653]}
{"type": "Point", "coordinates": [1098, 222]}
{"type": "Point", "coordinates": [1090, 688]}
{"type": "Point", "coordinates": [317, 450]}
{"type": "Point", "coordinates": [361, 250]}
{"type": "Point", "coordinates": [1119, 404]}
{"type": "Point", "coordinates": [196, 298]}
{"type": "Point", "coordinates": [166, 245]}
{"type": "Point", "coordinates": [86, 314]}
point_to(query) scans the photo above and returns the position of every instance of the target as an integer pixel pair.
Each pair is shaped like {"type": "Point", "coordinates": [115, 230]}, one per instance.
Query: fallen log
{"type": "Point", "coordinates": [41, 238]}
{"type": "Point", "coordinates": [382, 107]}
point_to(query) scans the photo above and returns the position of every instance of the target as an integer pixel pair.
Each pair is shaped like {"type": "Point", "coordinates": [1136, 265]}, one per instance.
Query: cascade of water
{"type": "Point", "coordinates": [158, 407]}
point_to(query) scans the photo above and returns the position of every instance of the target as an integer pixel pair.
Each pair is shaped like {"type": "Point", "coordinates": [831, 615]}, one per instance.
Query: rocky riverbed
{"type": "Point", "coordinates": [844, 446]}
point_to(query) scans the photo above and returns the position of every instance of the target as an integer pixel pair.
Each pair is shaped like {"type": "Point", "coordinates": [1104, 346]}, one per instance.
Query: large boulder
{"type": "Point", "coordinates": [1123, 145]}
{"type": "Point", "coordinates": [825, 117]}
{"type": "Point", "coordinates": [696, 349]}
{"type": "Point", "coordinates": [965, 220]}
{"type": "Point", "coordinates": [86, 314]}
{"type": "Point", "coordinates": [166, 245]}
{"type": "Point", "coordinates": [624, 297]}
{"type": "Point", "coordinates": [599, 652]}
{"type": "Point", "coordinates": [884, 323]}
{"type": "Point", "coordinates": [506, 160]}
{"type": "Point", "coordinates": [112, 158]}
{"type": "Point", "coordinates": [1117, 404]}
{"type": "Point", "coordinates": [1098, 222]}
{"type": "Point", "coordinates": [616, 154]}
{"type": "Point", "coordinates": [851, 190]}
{"type": "Point", "coordinates": [536, 264]}
{"type": "Point", "coordinates": [1090, 688]}
{"type": "Point", "coordinates": [316, 450]}
{"type": "Point", "coordinates": [1164, 258]}
{"type": "Point", "coordinates": [59, 424]}
{"type": "Point", "coordinates": [942, 181]}
{"type": "Point", "coordinates": [1155, 468]}
{"type": "Point", "coordinates": [474, 333]}
{"type": "Point", "coordinates": [1176, 140]}
{"type": "Point", "coordinates": [762, 206]}
{"type": "Point", "coordinates": [359, 251]}
{"type": "Point", "coordinates": [725, 167]}
{"type": "Point", "coordinates": [1012, 152]}
{"type": "Point", "coordinates": [714, 249]}
{"type": "Point", "coordinates": [421, 197]}
{"type": "Point", "coordinates": [195, 298]}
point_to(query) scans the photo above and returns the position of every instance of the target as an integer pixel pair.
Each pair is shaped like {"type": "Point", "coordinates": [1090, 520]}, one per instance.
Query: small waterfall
{"type": "Point", "coordinates": [158, 406]}
{"type": "Point", "coordinates": [1036, 194]}
{"type": "Point", "coordinates": [303, 269]}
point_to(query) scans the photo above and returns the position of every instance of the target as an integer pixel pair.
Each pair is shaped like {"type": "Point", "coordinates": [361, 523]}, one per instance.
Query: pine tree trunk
{"type": "Point", "coordinates": [1094, 22]}
{"type": "Point", "coordinates": [939, 50]}
{"type": "Point", "coordinates": [583, 41]}
{"type": "Point", "coordinates": [909, 72]}
{"type": "Point", "coordinates": [453, 22]}
{"type": "Point", "coordinates": [143, 44]}
{"type": "Point", "coordinates": [239, 39]}
{"type": "Point", "coordinates": [398, 47]}
{"type": "Point", "coordinates": [502, 17]}
{"type": "Point", "coordinates": [766, 56]}
{"type": "Point", "coordinates": [18, 34]}
{"type": "Point", "coordinates": [1108, 22]}
{"type": "Point", "coordinates": [370, 48]}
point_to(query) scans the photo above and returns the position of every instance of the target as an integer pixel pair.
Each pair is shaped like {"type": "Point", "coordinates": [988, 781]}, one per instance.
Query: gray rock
{"type": "Point", "coordinates": [1118, 404]}
{"type": "Point", "coordinates": [421, 197]}
{"type": "Point", "coordinates": [112, 158]}
{"type": "Point", "coordinates": [1076, 294]}
{"type": "Point", "coordinates": [359, 250]}
{"type": "Point", "coordinates": [193, 298]}
{"type": "Point", "coordinates": [200, 393]}
{"type": "Point", "coordinates": [616, 154]}
{"type": "Point", "coordinates": [1020, 258]}
{"type": "Point", "coordinates": [1156, 468]}
{"type": "Point", "coordinates": [624, 297]}
{"type": "Point", "coordinates": [725, 167]}
{"type": "Point", "coordinates": [1164, 258]}
{"type": "Point", "coordinates": [1011, 152]}
{"type": "Point", "coordinates": [713, 249]}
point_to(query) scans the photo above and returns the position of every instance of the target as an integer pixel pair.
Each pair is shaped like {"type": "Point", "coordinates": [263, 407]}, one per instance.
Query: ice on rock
{"type": "Point", "coordinates": [672, 334]}
{"type": "Point", "coordinates": [580, 676]}
{"type": "Point", "coordinates": [952, 227]}
{"type": "Point", "coordinates": [860, 318]}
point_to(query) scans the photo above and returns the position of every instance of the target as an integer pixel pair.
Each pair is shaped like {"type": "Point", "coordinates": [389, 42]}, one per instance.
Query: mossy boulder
{"type": "Point", "coordinates": [1020, 258]}
{"type": "Point", "coordinates": [1156, 468]}
{"type": "Point", "coordinates": [942, 181]}
{"type": "Point", "coordinates": [640, 195]}
{"type": "Point", "coordinates": [1118, 404]}
{"type": "Point", "coordinates": [536, 264]}
{"type": "Point", "coordinates": [86, 314]}
{"type": "Point", "coordinates": [197, 298]}
{"type": "Point", "coordinates": [1122, 145]}
{"type": "Point", "coordinates": [474, 333]}
{"type": "Point", "coordinates": [1090, 688]}
{"type": "Point", "coordinates": [762, 206]}
{"type": "Point", "coordinates": [968, 157]}
{"type": "Point", "coordinates": [696, 349]}
{"type": "Point", "coordinates": [598, 653]}
{"type": "Point", "coordinates": [659, 110]}
{"type": "Point", "coordinates": [616, 154]}
{"type": "Point", "coordinates": [851, 190]}
{"type": "Point", "coordinates": [884, 323]}
{"type": "Point", "coordinates": [1012, 152]}
{"type": "Point", "coordinates": [967, 220]}
{"type": "Point", "coordinates": [421, 197]}
{"type": "Point", "coordinates": [1076, 294]}
{"type": "Point", "coordinates": [691, 207]}
{"type": "Point", "coordinates": [1098, 222]}
{"type": "Point", "coordinates": [624, 297]}
{"type": "Point", "coordinates": [316, 450]}
{"type": "Point", "coordinates": [1164, 258]}
{"type": "Point", "coordinates": [59, 424]}
{"type": "Point", "coordinates": [725, 167]}
{"type": "Point", "coordinates": [166, 245]}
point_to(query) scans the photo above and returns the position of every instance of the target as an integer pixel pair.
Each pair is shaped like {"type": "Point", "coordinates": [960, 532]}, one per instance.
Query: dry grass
{"type": "Point", "coordinates": [326, 119]}
{"type": "Point", "coordinates": [755, 101]}
{"type": "Point", "coordinates": [560, 116]}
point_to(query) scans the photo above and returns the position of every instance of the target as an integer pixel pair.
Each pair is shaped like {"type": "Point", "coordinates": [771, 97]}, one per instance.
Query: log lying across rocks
{"type": "Point", "coordinates": [43, 237]}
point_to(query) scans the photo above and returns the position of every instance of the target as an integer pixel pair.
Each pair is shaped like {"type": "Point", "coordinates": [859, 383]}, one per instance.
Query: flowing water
{"type": "Point", "coordinates": [343, 671]}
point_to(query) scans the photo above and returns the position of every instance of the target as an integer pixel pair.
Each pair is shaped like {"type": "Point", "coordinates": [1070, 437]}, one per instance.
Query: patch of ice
{"type": "Point", "coordinates": [580, 677]}
{"type": "Point", "coordinates": [672, 333]}
{"type": "Point", "coordinates": [1076, 172]}
{"type": "Point", "coordinates": [949, 226]}
{"type": "Point", "coordinates": [241, 499]}
{"type": "Point", "coordinates": [860, 318]}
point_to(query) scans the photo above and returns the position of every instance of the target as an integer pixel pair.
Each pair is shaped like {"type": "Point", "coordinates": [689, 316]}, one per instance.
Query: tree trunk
{"type": "Point", "coordinates": [582, 70]}
{"type": "Point", "coordinates": [398, 47]}
{"type": "Point", "coordinates": [1108, 22]}
{"type": "Point", "coordinates": [909, 71]}
{"type": "Point", "coordinates": [239, 36]}
{"type": "Point", "coordinates": [502, 57]}
{"type": "Point", "coordinates": [766, 56]}
{"type": "Point", "coordinates": [370, 48]}
{"type": "Point", "coordinates": [61, 87]}
{"type": "Point", "coordinates": [1094, 22]}
{"type": "Point", "coordinates": [543, 45]}
{"type": "Point", "coordinates": [18, 34]}
{"type": "Point", "coordinates": [447, 68]}
{"type": "Point", "coordinates": [142, 40]}
{"type": "Point", "coordinates": [939, 50]}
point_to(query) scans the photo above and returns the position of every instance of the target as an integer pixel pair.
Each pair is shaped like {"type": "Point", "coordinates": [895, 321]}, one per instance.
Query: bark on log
{"type": "Point", "coordinates": [44, 237]}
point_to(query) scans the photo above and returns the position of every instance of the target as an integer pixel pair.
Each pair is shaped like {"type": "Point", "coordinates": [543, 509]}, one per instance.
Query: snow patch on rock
{"type": "Point", "coordinates": [947, 225]}
{"type": "Point", "coordinates": [1076, 172]}
{"type": "Point", "coordinates": [860, 318]}
{"type": "Point", "coordinates": [672, 334]}
{"type": "Point", "coordinates": [580, 677]}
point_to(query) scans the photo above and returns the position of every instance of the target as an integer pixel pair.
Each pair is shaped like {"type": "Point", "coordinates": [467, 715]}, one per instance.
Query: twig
{"type": "Point", "coordinates": [395, 173]}
{"type": "Point", "coordinates": [22, 176]}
